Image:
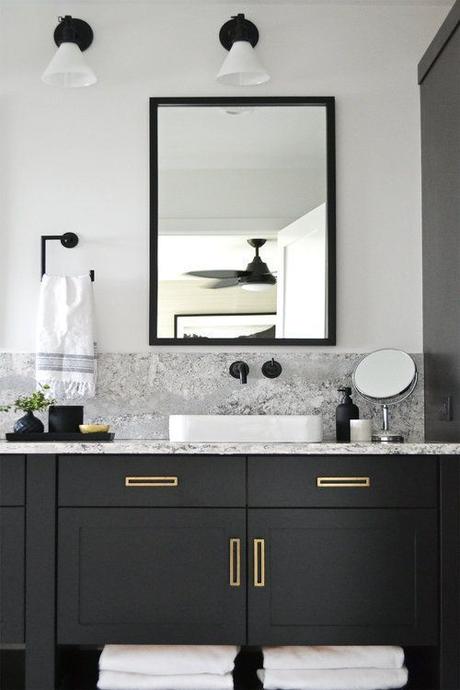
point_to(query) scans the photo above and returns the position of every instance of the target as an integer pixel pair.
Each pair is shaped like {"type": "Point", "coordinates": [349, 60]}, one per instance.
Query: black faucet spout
{"type": "Point", "coordinates": [239, 370]}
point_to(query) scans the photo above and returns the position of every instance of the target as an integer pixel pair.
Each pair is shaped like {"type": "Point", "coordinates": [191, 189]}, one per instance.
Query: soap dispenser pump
{"type": "Point", "coordinates": [345, 411]}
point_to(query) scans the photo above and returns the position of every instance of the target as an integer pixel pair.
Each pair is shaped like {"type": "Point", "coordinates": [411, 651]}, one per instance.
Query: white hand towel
{"type": "Point", "coordinates": [372, 656]}
{"type": "Point", "coordinates": [334, 679]}
{"type": "Point", "coordinates": [66, 356]}
{"type": "Point", "coordinates": [114, 680]}
{"type": "Point", "coordinates": [164, 659]}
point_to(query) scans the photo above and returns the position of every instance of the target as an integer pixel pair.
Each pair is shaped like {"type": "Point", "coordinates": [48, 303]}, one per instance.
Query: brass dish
{"type": "Point", "coordinates": [94, 428]}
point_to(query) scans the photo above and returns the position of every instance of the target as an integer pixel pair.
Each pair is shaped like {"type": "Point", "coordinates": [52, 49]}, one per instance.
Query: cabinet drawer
{"type": "Point", "coordinates": [140, 480]}
{"type": "Point", "coordinates": [12, 478]}
{"type": "Point", "coordinates": [349, 482]}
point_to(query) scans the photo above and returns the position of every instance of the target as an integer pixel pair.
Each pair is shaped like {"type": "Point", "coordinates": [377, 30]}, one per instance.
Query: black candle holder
{"type": "Point", "coordinates": [65, 418]}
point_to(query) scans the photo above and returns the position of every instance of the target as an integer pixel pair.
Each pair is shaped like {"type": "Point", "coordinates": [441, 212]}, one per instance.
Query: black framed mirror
{"type": "Point", "coordinates": [242, 221]}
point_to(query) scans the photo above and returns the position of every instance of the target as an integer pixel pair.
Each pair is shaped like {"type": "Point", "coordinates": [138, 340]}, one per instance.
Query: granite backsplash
{"type": "Point", "coordinates": [137, 392]}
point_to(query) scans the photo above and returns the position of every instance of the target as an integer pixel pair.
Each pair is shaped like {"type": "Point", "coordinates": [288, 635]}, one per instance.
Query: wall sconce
{"type": "Point", "coordinates": [241, 66]}
{"type": "Point", "coordinates": [68, 67]}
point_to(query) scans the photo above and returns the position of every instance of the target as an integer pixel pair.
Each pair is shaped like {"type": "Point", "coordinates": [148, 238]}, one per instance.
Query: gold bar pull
{"type": "Point", "coordinates": [235, 562]}
{"type": "Point", "coordinates": [151, 481]}
{"type": "Point", "coordinates": [259, 562]}
{"type": "Point", "coordinates": [343, 482]}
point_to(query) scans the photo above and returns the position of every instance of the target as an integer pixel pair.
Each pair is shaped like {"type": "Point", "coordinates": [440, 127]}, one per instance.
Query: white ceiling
{"type": "Point", "coordinates": [262, 138]}
{"type": "Point", "coordinates": [218, 171]}
{"type": "Point", "coordinates": [177, 255]}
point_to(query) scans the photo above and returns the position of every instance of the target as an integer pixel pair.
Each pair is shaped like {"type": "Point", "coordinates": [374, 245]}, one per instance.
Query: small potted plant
{"type": "Point", "coordinates": [35, 402]}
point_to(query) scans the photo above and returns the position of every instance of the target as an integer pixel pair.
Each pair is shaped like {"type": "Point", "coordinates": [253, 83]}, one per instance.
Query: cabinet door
{"type": "Point", "coordinates": [342, 576]}
{"type": "Point", "coordinates": [11, 575]}
{"type": "Point", "coordinates": [157, 575]}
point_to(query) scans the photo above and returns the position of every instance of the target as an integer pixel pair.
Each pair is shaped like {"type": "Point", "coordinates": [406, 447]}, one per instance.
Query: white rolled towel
{"type": "Point", "coordinates": [116, 680]}
{"type": "Point", "coordinates": [359, 656]}
{"type": "Point", "coordinates": [334, 679]}
{"type": "Point", "coordinates": [161, 660]}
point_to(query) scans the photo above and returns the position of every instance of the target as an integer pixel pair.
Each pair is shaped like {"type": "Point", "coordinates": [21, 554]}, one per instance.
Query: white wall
{"type": "Point", "coordinates": [78, 159]}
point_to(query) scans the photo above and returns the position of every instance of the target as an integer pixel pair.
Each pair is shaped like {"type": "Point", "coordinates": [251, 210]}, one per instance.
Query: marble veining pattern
{"type": "Point", "coordinates": [226, 449]}
{"type": "Point", "coordinates": [136, 392]}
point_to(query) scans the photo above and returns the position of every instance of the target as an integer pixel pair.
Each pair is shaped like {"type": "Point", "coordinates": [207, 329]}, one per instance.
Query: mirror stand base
{"type": "Point", "coordinates": [387, 437]}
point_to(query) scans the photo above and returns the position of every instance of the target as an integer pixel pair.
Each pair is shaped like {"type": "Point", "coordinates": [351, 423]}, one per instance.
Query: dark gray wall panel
{"type": "Point", "coordinates": [440, 110]}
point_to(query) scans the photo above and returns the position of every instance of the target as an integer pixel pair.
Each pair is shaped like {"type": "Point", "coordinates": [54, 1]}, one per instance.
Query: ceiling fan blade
{"type": "Point", "coordinates": [217, 274]}
{"type": "Point", "coordinates": [225, 283]}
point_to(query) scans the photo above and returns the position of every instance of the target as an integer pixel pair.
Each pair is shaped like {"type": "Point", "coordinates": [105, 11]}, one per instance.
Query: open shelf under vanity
{"type": "Point", "coordinates": [78, 668]}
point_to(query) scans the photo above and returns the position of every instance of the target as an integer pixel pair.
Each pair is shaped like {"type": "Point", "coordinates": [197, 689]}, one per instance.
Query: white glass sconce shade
{"type": "Point", "coordinates": [69, 68]}
{"type": "Point", "coordinates": [242, 67]}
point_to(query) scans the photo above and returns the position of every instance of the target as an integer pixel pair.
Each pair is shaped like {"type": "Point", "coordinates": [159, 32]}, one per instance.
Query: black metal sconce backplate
{"type": "Point", "coordinates": [83, 33]}
{"type": "Point", "coordinates": [238, 25]}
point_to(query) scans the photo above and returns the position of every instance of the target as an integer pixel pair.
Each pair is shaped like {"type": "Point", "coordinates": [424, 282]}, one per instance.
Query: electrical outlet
{"type": "Point", "coordinates": [446, 410]}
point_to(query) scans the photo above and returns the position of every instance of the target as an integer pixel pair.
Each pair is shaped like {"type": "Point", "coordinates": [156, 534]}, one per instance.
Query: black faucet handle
{"type": "Point", "coordinates": [271, 369]}
{"type": "Point", "coordinates": [239, 370]}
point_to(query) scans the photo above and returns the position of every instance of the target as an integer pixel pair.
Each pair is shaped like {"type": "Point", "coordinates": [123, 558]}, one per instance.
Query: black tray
{"type": "Point", "coordinates": [49, 437]}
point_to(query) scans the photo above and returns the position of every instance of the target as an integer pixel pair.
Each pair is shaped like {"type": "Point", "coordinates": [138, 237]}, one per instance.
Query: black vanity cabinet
{"type": "Point", "coordinates": [156, 566]}
{"type": "Point", "coordinates": [340, 550]}
{"type": "Point", "coordinates": [344, 551]}
{"type": "Point", "coordinates": [185, 549]}
{"type": "Point", "coordinates": [12, 494]}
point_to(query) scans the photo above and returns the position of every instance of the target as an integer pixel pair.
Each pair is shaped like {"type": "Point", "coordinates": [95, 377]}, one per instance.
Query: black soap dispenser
{"type": "Point", "coordinates": [345, 411]}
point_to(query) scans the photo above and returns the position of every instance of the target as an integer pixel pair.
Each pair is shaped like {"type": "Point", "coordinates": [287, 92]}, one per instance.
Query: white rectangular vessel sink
{"type": "Point", "coordinates": [253, 428]}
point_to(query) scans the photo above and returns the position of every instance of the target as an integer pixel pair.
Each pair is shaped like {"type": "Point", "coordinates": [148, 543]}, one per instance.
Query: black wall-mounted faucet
{"type": "Point", "coordinates": [239, 370]}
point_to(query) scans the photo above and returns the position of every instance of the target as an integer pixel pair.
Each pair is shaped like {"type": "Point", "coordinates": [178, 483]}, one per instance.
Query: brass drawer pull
{"type": "Point", "coordinates": [151, 481]}
{"type": "Point", "coordinates": [340, 482]}
{"type": "Point", "coordinates": [235, 562]}
{"type": "Point", "coordinates": [259, 562]}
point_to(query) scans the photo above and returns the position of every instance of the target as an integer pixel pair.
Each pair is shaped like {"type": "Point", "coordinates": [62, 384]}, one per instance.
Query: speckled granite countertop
{"type": "Point", "coordinates": [165, 447]}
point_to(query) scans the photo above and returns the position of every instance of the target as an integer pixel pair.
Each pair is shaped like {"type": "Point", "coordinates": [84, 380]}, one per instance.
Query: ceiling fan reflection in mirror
{"type": "Point", "coordinates": [256, 278]}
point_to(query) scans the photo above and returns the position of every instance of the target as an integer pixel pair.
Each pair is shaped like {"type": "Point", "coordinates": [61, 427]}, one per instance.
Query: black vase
{"type": "Point", "coordinates": [28, 424]}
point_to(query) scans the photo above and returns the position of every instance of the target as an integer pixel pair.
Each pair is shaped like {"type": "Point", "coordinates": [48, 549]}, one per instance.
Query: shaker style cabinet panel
{"type": "Point", "coordinates": [342, 576]}
{"type": "Point", "coordinates": [11, 575]}
{"type": "Point", "coordinates": [157, 576]}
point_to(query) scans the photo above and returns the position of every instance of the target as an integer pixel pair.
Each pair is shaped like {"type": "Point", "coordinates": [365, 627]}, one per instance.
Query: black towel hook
{"type": "Point", "coordinates": [68, 240]}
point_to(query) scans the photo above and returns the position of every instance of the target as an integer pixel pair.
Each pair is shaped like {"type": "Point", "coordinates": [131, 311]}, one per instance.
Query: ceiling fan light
{"type": "Point", "coordinates": [256, 287]}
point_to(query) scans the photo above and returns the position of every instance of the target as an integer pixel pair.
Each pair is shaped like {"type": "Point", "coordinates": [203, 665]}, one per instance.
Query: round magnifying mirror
{"type": "Point", "coordinates": [387, 377]}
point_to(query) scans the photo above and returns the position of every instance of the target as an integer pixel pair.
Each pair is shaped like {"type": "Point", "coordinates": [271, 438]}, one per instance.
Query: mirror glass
{"type": "Point", "coordinates": [243, 232]}
{"type": "Point", "coordinates": [385, 374]}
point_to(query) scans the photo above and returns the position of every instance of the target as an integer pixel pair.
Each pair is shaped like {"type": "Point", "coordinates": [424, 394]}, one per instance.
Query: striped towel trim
{"type": "Point", "coordinates": [83, 364]}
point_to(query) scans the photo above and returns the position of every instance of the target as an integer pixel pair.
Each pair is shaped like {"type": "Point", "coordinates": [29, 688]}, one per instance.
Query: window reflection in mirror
{"type": "Point", "coordinates": [242, 222]}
